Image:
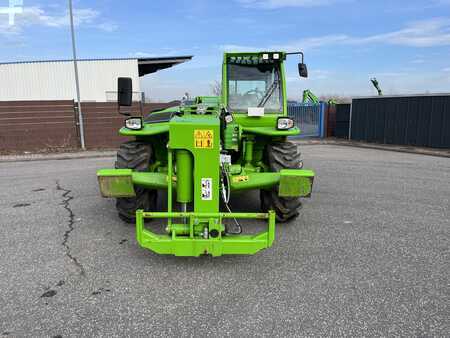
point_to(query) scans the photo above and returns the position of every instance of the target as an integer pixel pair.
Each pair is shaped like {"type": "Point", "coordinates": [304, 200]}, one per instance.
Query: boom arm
{"type": "Point", "coordinates": [308, 96]}
{"type": "Point", "coordinates": [377, 86]}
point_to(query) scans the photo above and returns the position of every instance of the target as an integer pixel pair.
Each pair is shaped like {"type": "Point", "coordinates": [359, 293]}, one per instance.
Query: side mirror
{"type": "Point", "coordinates": [302, 69]}
{"type": "Point", "coordinates": [125, 91]}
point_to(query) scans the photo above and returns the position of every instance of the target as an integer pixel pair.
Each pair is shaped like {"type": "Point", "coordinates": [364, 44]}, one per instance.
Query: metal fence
{"type": "Point", "coordinates": [415, 120]}
{"type": "Point", "coordinates": [309, 118]}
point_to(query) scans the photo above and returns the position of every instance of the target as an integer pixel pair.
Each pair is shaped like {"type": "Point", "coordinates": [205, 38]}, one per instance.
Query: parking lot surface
{"type": "Point", "coordinates": [369, 255]}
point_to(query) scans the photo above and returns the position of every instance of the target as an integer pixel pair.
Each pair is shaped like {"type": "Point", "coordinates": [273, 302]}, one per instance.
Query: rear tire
{"type": "Point", "coordinates": [137, 156]}
{"type": "Point", "coordinates": [281, 155]}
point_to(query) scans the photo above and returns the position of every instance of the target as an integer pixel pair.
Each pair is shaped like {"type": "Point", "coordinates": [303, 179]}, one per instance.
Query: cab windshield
{"type": "Point", "coordinates": [254, 86]}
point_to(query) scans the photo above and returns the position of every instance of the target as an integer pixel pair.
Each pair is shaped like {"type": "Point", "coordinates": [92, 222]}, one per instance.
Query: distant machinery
{"type": "Point", "coordinates": [377, 86]}
{"type": "Point", "coordinates": [309, 97]}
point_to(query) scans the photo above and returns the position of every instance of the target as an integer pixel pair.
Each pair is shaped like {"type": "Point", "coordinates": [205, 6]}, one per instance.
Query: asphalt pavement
{"type": "Point", "coordinates": [369, 256]}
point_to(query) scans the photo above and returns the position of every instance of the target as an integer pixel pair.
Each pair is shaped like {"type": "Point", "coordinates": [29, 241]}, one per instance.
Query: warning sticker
{"type": "Point", "coordinates": [203, 138]}
{"type": "Point", "coordinates": [207, 189]}
{"type": "Point", "coordinates": [239, 179]}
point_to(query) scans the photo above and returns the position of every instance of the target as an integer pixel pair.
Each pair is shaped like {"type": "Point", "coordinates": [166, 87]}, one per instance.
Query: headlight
{"type": "Point", "coordinates": [134, 123]}
{"type": "Point", "coordinates": [285, 123]}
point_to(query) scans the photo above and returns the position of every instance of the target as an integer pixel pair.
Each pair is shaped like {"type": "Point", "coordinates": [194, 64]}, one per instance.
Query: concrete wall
{"type": "Point", "coordinates": [55, 80]}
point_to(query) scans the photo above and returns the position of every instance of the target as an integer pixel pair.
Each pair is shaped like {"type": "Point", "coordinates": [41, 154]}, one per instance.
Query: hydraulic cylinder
{"type": "Point", "coordinates": [185, 176]}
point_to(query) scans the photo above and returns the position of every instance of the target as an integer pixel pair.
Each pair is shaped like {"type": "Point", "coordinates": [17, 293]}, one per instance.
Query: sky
{"type": "Point", "coordinates": [405, 44]}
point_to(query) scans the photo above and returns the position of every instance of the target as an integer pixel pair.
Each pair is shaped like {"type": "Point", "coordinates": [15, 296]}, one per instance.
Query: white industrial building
{"type": "Point", "coordinates": [55, 80]}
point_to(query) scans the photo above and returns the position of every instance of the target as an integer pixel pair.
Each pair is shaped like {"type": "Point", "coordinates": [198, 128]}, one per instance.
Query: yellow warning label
{"type": "Point", "coordinates": [238, 179]}
{"type": "Point", "coordinates": [203, 138]}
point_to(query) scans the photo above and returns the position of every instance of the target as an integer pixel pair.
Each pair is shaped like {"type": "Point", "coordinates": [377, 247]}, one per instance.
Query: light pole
{"type": "Point", "coordinates": [77, 82]}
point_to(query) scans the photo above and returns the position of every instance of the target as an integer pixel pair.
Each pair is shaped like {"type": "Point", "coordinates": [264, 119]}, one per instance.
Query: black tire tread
{"type": "Point", "coordinates": [137, 156]}
{"type": "Point", "coordinates": [282, 155]}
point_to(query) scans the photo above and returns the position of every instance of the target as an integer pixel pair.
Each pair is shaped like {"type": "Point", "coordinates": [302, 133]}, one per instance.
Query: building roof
{"type": "Point", "coordinates": [145, 65]}
{"type": "Point", "coordinates": [152, 65]}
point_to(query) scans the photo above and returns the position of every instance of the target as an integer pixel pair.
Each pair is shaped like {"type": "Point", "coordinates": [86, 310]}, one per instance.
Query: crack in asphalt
{"type": "Point", "coordinates": [67, 197]}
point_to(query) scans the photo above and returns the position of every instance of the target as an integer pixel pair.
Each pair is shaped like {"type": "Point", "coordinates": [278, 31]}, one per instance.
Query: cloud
{"type": "Point", "coordinates": [107, 26]}
{"type": "Point", "coordinates": [37, 16]}
{"type": "Point", "coordinates": [142, 55]}
{"type": "Point", "coordinates": [426, 33]}
{"type": "Point", "coordinates": [390, 74]}
{"type": "Point", "coordinates": [274, 4]}
{"type": "Point", "coordinates": [165, 51]}
{"type": "Point", "coordinates": [319, 74]}
{"type": "Point", "coordinates": [239, 48]}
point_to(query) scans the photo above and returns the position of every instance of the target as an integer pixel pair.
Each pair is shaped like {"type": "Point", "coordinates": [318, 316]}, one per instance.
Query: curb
{"type": "Point", "coordinates": [385, 147]}
{"type": "Point", "coordinates": [335, 142]}
{"type": "Point", "coordinates": [61, 156]}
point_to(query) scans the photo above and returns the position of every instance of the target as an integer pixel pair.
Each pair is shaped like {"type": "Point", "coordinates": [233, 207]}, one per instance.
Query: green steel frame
{"type": "Point", "coordinates": [187, 240]}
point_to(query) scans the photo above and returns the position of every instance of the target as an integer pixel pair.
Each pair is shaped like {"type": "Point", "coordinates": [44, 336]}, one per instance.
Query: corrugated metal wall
{"type": "Point", "coordinates": [37, 125]}
{"type": "Point", "coordinates": [330, 120]}
{"type": "Point", "coordinates": [55, 80]}
{"type": "Point", "coordinates": [102, 121]}
{"type": "Point", "coordinates": [342, 120]}
{"type": "Point", "coordinates": [52, 125]}
{"type": "Point", "coordinates": [417, 120]}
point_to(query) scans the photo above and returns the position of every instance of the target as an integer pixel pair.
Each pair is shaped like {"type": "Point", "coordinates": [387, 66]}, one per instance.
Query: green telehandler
{"type": "Point", "coordinates": [203, 152]}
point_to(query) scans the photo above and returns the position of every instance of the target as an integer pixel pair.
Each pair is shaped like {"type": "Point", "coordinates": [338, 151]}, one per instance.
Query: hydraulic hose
{"type": "Point", "coordinates": [226, 193]}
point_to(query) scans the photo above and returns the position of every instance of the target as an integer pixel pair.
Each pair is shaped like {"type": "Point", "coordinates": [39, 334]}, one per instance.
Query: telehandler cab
{"type": "Point", "coordinates": [203, 153]}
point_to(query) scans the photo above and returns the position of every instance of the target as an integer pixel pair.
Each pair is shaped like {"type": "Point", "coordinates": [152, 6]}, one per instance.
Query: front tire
{"type": "Point", "coordinates": [137, 156]}
{"type": "Point", "coordinates": [281, 155]}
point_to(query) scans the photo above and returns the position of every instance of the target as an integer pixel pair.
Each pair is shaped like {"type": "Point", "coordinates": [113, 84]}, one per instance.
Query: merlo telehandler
{"type": "Point", "coordinates": [204, 152]}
